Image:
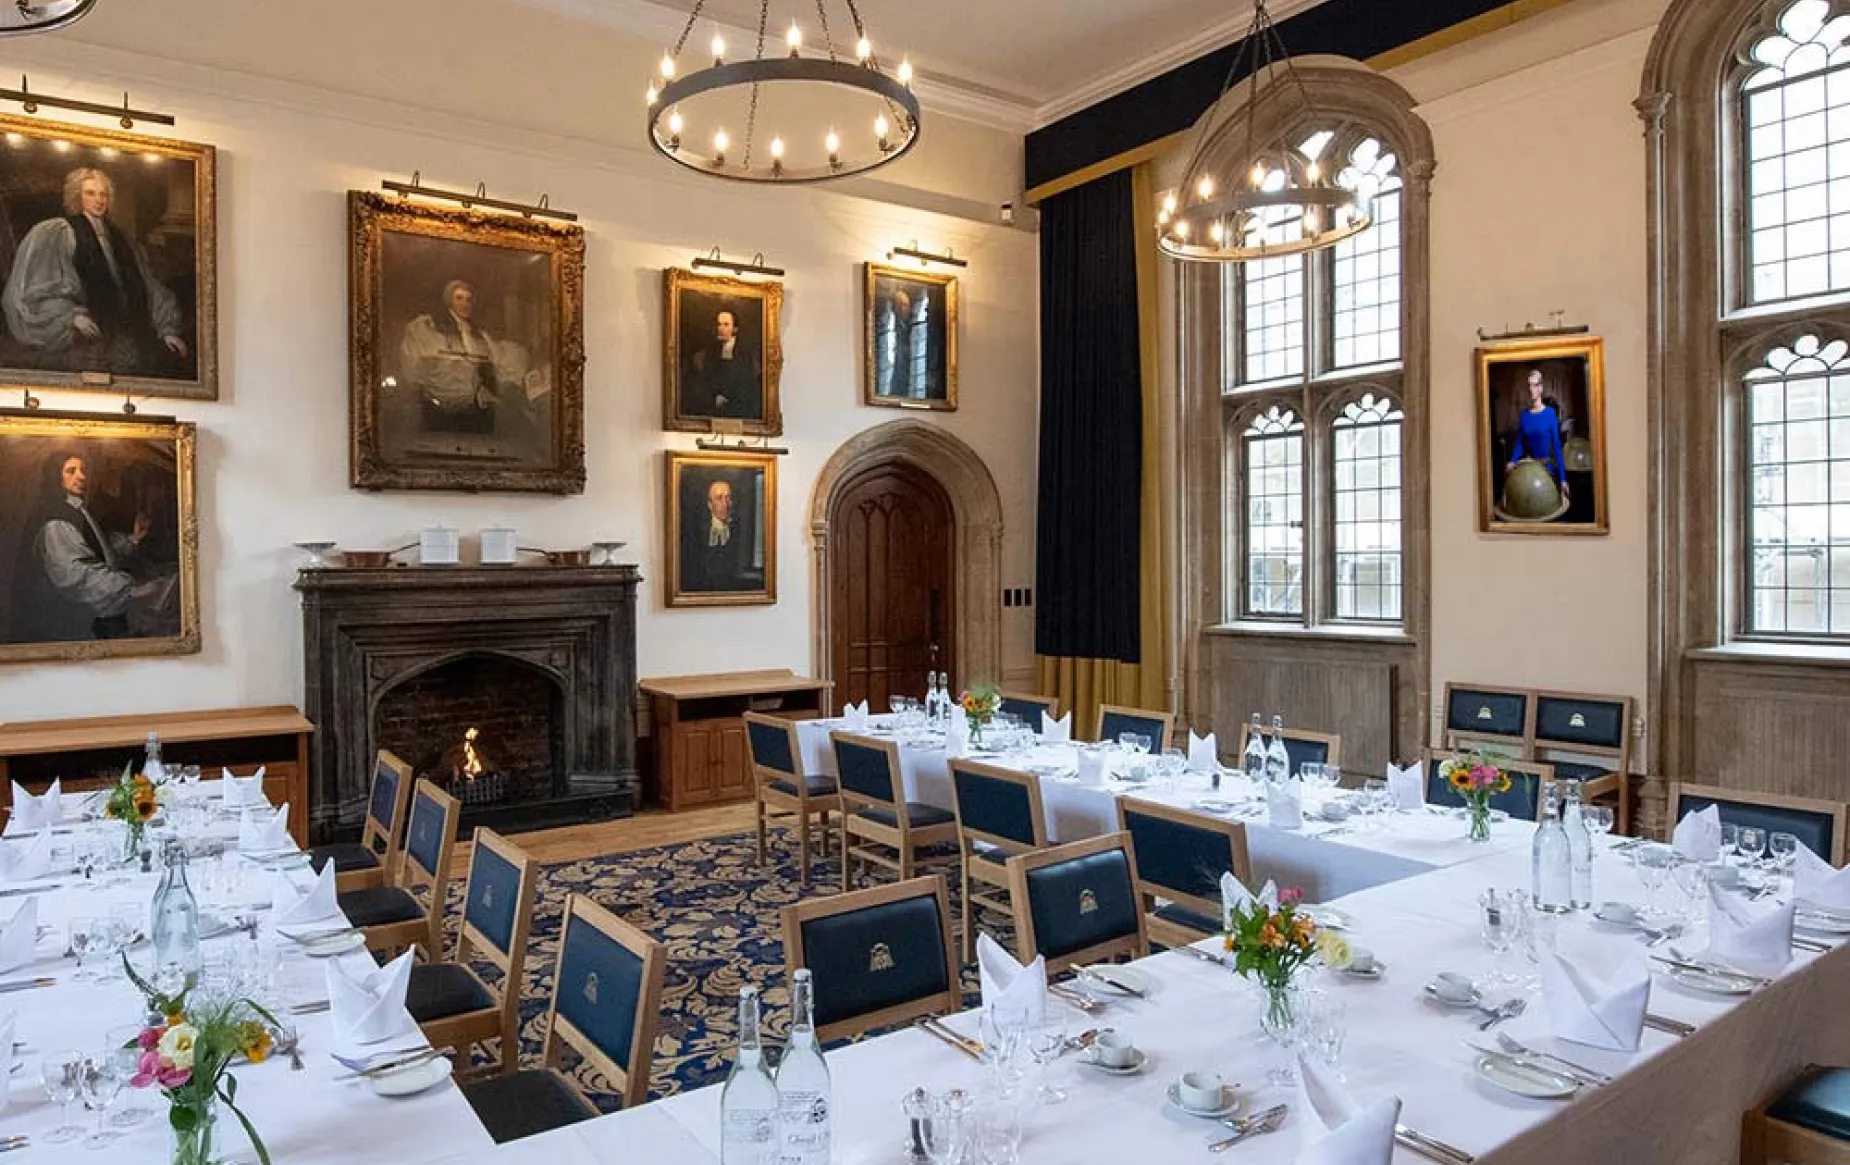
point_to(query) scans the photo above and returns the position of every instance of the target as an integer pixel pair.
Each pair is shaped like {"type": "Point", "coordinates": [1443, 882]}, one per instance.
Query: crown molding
{"type": "Point", "coordinates": [962, 97]}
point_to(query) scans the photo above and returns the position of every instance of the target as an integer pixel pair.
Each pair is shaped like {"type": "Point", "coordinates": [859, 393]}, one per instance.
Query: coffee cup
{"type": "Point", "coordinates": [1361, 960]}
{"type": "Point", "coordinates": [1723, 875]}
{"type": "Point", "coordinates": [1200, 1091]}
{"type": "Point", "coordinates": [1618, 913]}
{"type": "Point", "coordinates": [1114, 1049]}
{"type": "Point", "coordinates": [1453, 987]}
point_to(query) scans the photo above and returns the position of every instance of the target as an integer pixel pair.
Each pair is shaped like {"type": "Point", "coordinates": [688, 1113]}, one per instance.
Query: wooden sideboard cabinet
{"type": "Point", "coordinates": [699, 730]}
{"type": "Point", "coordinates": [87, 753]}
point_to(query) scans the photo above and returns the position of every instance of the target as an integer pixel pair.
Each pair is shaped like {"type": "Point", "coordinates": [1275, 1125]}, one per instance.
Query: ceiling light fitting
{"type": "Point", "coordinates": [23, 16]}
{"type": "Point", "coordinates": [1283, 200]}
{"type": "Point", "coordinates": [831, 80]}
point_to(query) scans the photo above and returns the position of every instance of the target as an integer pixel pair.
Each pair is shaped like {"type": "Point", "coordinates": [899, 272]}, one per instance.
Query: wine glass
{"type": "Point", "coordinates": [1375, 799]}
{"type": "Point", "coordinates": [1046, 1040]}
{"type": "Point", "coordinates": [1751, 845]}
{"type": "Point", "coordinates": [127, 1054]}
{"type": "Point", "coordinates": [1731, 840]}
{"type": "Point", "coordinates": [83, 939]}
{"type": "Point", "coordinates": [1652, 863]}
{"type": "Point", "coordinates": [1785, 848]}
{"type": "Point", "coordinates": [1004, 1049]}
{"type": "Point", "coordinates": [1599, 818]}
{"type": "Point", "coordinates": [1693, 882]}
{"type": "Point", "coordinates": [101, 1082]}
{"type": "Point", "coordinates": [62, 1074]}
{"type": "Point", "coordinates": [996, 1133]}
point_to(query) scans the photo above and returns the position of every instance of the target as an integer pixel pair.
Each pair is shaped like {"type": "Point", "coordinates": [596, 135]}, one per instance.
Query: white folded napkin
{"type": "Point", "coordinates": [19, 936]}
{"type": "Point", "coordinates": [1203, 753]}
{"type": "Point", "coordinates": [1599, 1011]}
{"type": "Point", "coordinates": [1056, 731]}
{"type": "Point", "coordinates": [854, 716]}
{"type": "Point", "coordinates": [28, 860]}
{"type": "Point", "coordinates": [243, 792]}
{"type": "Point", "coordinates": [261, 831]}
{"type": "Point", "coordinates": [370, 1008]}
{"type": "Point", "coordinates": [317, 904]}
{"type": "Point", "coordinates": [1284, 802]}
{"type": "Point", "coordinates": [1743, 936]}
{"type": "Point", "coordinates": [1408, 784]}
{"type": "Point", "coordinates": [1338, 1130]}
{"type": "Point", "coordinates": [31, 813]}
{"type": "Point", "coordinates": [1233, 893]}
{"type": "Point", "coordinates": [1698, 836]}
{"type": "Point", "coordinates": [1816, 882]}
{"type": "Point", "coordinates": [957, 733]}
{"type": "Point", "coordinates": [1092, 763]}
{"type": "Point", "coordinates": [1011, 990]}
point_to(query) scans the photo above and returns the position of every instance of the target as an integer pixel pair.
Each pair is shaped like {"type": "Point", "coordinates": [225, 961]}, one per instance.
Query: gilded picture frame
{"type": "Point", "coordinates": [908, 338]}
{"type": "Point", "coordinates": [722, 354]}
{"type": "Point", "coordinates": [137, 318]}
{"type": "Point", "coordinates": [720, 538]}
{"type": "Point", "coordinates": [466, 349]}
{"type": "Point", "coordinates": [99, 554]}
{"type": "Point", "coordinates": [1542, 402]}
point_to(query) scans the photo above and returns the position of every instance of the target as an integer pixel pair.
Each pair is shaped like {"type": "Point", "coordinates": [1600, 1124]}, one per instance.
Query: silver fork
{"type": "Point", "coordinates": [1657, 936]}
{"type": "Point", "coordinates": [1253, 1126]}
{"type": "Point", "coordinates": [1496, 1015]}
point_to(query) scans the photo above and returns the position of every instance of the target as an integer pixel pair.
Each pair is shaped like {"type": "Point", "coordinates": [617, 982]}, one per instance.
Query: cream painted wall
{"type": "Point", "coordinates": [1539, 204]}
{"type": "Point", "coordinates": [273, 450]}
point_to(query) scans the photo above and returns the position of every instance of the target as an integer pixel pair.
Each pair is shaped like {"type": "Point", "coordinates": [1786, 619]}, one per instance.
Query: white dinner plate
{"type": "Point", "coordinates": [339, 944]}
{"type": "Point", "coordinates": [1477, 997]}
{"type": "Point", "coordinates": [1525, 1080]}
{"type": "Point", "coordinates": [1106, 973]}
{"type": "Point", "coordinates": [1231, 1104]}
{"type": "Point", "coordinates": [1717, 982]}
{"type": "Point", "coordinates": [413, 1079]}
{"type": "Point", "coordinates": [1217, 805]}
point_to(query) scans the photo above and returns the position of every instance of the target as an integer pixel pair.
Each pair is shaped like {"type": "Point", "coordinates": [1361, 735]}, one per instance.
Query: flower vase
{"type": "Point", "coordinates": [1280, 1022]}
{"type": "Point", "coordinates": [1480, 820]}
{"type": "Point", "coordinates": [194, 1144]}
{"type": "Point", "coordinates": [976, 732]}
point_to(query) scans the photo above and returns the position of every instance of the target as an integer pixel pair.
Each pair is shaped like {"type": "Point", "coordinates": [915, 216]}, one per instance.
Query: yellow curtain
{"type": "Point", "coordinates": [1083, 684]}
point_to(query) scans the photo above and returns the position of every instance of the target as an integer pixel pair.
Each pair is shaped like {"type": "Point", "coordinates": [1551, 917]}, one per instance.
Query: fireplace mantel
{"type": "Point", "coordinates": [364, 631]}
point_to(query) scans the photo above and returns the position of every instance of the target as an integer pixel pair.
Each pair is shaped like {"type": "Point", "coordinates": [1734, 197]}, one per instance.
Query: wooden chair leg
{"type": "Point", "coordinates": [847, 860]}
{"type": "Point", "coordinates": [803, 848]}
{"type": "Point", "coordinates": [761, 833]}
{"type": "Point", "coordinates": [1753, 1138]}
{"type": "Point", "coordinates": [963, 888]}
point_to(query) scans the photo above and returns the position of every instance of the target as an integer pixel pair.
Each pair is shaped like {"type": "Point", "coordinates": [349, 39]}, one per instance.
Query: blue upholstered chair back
{"type": "Point", "coordinates": [1081, 903]}
{"type": "Point", "coordinates": [383, 807]}
{"type": "Point", "coordinates": [990, 805]}
{"type": "Point", "coordinates": [865, 770]}
{"type": "Point", "coordinates": [1112, 724]}
{"type": "Point", "coordinates": [1028, 708]}
{"type": "Point", "coordinates": [770, 745]}
{"type": "Point", "coordinates": [598, 988]}
{"type": "Point", "coordinates": [1573, 770]}
{"type": "Point", "coordinates": [1487, 713]}
{"type": "Point", "coordinates": [1179, 857]}
{"type": "Point", "coordinates": [1524, 798]}
{"type": "Point", "coordinates": [1813, 828]}
{"type": "Point", "coordinates": [1580, 720]}
{"type": "Point", "coordinates": [424, 838]}
{"type": "Point", "coordinates": [877, 957]}
{"type": "Point", "coordinates": [1306, 752]}
{"type": "Point", "coordinates": [493, 897]}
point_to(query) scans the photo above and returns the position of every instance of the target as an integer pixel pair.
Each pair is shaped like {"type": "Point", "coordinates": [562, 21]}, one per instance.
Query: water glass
{"type": "Point", "coordinates": [83, 940]}
{"type": "Point", "coordinates": [1653, 862]}
{"type": "Point", "coordinates": [1693, 882]}
{"type": "Point", "coordinates": [1785, 847]}
{"type": "Point", "coordinates": [1005, 1049]}
{"type": "Point", "coordinates": [1501, 917]}
{"type": "Point", "coordinates": [1326, 1024]}
{"type": "Point", "coordinates": [1135, 743]}
{"type": "Point", "coordinates": [1751, 845]}
{"type": "Point", "coordinates": [101, 1082]}
{"type": "Point", "coordinates": [123, 1050]}
{"type": "Point", "coordinates": [997, 1134]}
{"type": "Point", "coordinates": [1376, 799]}
{"type": "Point", "coordinates": [1731, 839]}
{"type": "Point", "coordinates": [62, 1074]}
{"type": "Point", "coordinates": [1599, 818]}
{"type": "Point", "coordinates": [1046, 1040]}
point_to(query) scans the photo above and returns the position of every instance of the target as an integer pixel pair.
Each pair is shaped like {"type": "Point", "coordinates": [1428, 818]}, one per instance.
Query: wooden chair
{"type": "Point", "coordinates": [1177, 859]}
{"type": "Point", "coordinates": [1114, 720]}
{"type": "Point", "coordinates": [1029, 707]}
{"type": "Point", "coordinates": [1588, 739]}
{"type": "Point", "coordinates": [372, 860]}
{"type": "Point", "coordinates": [999, 815]}
{"type": "Point", "coordinates": [1499, 720]}
{"type": "Point", "coordinates": [392, 917]}
{"type": "Point", "coordinates": [1303, 746]}
{"type": "Point", "coordinates": [1077, 903]}
{"type": "Point", "coordinates": [1808, 1123]}
{"type": "Point", "coordinates": [876, 811]}
{"type": "Point", "coordinates": [784, 791]}
{"type": "Point", "coordinates": [449, 1000]}
{"type": "Point", "coordinates": [606, 1002]}
{"type": "Point", "coordinates": [1529, 781]}
{"type": "Point", "coordinates": [1818, 824]}
{"type": "Point", "coordinates": [878, 956]}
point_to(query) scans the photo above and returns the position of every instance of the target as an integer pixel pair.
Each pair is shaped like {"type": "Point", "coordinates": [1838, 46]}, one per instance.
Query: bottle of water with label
{"type": "Point", "coordinates": [802, 1084]}
{"type": "Point", "coordinates": [1552, 861]}
{"type": "Point", "coordinates": [174, 919]}
{"type": "Point", "coordinates": [748, 1102]}
{"type": "Point", "coordinates": [1277, 757]}
{"type": "Point", "coordinates": [1579, 845]}
{"type": "Point", "coordinates": [1252, 761]}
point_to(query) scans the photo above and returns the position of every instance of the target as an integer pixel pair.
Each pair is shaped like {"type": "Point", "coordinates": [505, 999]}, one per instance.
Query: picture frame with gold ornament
{"type": "Point", "coordinates": [908, 338]}
{"type": "Point", "coordinates": [1541, 436]}
{"type": "Point", "coordinates": [722, 354]}
{"type": "Point", "coordinates": [720, 537]}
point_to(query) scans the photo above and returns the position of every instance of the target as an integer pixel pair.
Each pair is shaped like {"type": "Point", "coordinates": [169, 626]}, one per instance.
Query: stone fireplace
{"type": "Point", "coordinates": [511, 687]}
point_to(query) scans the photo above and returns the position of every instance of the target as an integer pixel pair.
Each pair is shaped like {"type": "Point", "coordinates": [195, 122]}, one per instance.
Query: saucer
{"type": "Point", "coordinates": [1230, 1103]}
{"type": "Point", "coordinates": [1217, 805]}
{"type": "Point", "coordinates": [1628, 923]}
{"type": "Point", "coordinates": [338, 944]}
{"type": "Point", "coordinates": [1373, 972]}
{"type": "Point", "coordinates": [413, 1079]}
{"type": "Point", "coordinates": [1476, 997]}
{"type": "Point", "coordinates": [1138, 1060]}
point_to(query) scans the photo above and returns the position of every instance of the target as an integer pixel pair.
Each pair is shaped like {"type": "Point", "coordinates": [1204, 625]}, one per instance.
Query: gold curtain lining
{"type": "Point", "coordinates": [1483, 24]}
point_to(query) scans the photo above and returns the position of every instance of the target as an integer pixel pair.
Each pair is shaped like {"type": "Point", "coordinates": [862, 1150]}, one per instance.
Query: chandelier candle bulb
{"type": "Point", "coordinates": [905, 72]}
{"type": "Point", "coordinates": [719, 49]}
{"type": "Point", "coordinates": [1205, 186]}
{"type": "Point", "coordinates": [651, 96]}
{"type": "Point", "coordinates": [667, 67]}
{"type": "Point", "coordinates": [794, 38]}
{"type": "Point", "coordinates": [863, 49]}
{"type": "Point", "coordinates": [777, 148]}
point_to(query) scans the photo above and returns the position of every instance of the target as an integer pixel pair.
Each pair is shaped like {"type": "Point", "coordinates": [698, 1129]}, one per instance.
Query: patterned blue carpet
{"type": "Point", "coordinates": [718, 913]}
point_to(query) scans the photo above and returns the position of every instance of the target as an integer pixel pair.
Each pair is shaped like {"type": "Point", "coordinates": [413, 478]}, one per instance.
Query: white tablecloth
{"type": "Point", "coordinates": [303, 1117]}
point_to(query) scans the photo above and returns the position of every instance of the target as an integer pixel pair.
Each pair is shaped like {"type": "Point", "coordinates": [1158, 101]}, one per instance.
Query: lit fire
{"type": "Point", "coordinates": [472, 760]}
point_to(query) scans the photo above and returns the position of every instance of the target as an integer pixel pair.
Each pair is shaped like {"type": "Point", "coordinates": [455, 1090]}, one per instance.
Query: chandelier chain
{"type": "Point", "coordinates": [751, 113]}
{"type": "Point", "coordinates": [828, 41]}
{"type": "Point", "coordinates": [854, 14]}
{"type": "Point", "coordinates": [681, 41]}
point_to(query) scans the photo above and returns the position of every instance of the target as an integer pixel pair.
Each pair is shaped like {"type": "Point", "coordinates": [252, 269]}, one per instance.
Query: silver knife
{"type": "Point", "coordinates": [1675, 1027]}
{"type": "Point", "coordinates": [1109, 981]}
{"type": "Point", "coordinates": [393, 1065]}
{"type": "Point", "coordinates": [1711, 969]}
{"type": "Point", "coordinates": [24, 985]}
{"type": "Point", "coordinates": [1526, 1065]}
{"type": "Point", "coordinates": [1198, 953]}
{"type": "Point", "coordinates": [19, 890]}
{"type": "Point", "coordinates": [1430, 1147]}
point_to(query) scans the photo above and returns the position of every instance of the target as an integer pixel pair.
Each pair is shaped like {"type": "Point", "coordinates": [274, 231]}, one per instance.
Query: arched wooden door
{"type": "Point", "coordinates": [892, 532]}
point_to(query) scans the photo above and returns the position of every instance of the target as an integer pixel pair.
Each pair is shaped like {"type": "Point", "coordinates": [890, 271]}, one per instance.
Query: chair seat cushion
{"type": "Point", "coordinates": [440, 990]}
{"type": "Point", "coordinates": [379, 905]}
{"type": "Point", "coordinates": [989, 855]}
{"type": "Point", "coordinates": [1819, 1102]}
{"type": "Point", "coordinates": [524, 1103]}
{"type": "Point", "coordinates": [1181, 916]}
{"type": "Point", "coordinates": [918, 815]}
{"type": "Point", "coordinates": [346, 856]}
{"type": "Point", "coordinates": [819, 786]}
